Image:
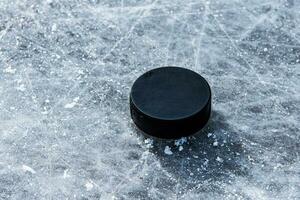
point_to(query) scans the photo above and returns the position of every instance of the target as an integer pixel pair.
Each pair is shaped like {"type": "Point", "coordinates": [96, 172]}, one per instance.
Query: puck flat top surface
{"type": "Point", "coordinates": [167, 94]}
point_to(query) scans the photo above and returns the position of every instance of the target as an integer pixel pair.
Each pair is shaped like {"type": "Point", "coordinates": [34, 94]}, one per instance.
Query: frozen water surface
{"type": "Point", "coordinates": [66, 68]}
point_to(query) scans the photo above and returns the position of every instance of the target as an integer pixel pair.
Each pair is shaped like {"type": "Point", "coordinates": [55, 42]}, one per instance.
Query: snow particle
{"type": "Point", "coordinates": [149, 143]}
{"type": "Point", "coordinates": [215, 143]}
{"type": "Point", "coordinates": [168, 150]}
{"type": "Point", "coordinates": [21, 88]}
{"type": "Point", "coordinates": [66, 175]}
{"type": "Point", "coordinates": [54, 28]}
{"type": "Point", "coordinates": [26, 168]}
{"type": "Point", "coordinates": [180, 141]}
{"type": "Point", "coordinates": [180, 148]}
{"type": "Point", "coordinates": [89, 185]}
{"type": "Point", "coordinates": [72, 104]}
{"type": "Point", "coordinates": [9, 70]}
{"type": "Point", "coordinates": [219, 159]}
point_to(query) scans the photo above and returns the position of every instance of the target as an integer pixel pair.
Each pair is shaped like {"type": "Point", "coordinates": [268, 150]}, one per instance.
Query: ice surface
{"type": "Point", "coordinates": [66, 68]}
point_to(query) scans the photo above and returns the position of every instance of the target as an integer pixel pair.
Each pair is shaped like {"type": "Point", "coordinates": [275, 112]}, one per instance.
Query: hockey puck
{"type": "Point", "coordinates": [170, 102]}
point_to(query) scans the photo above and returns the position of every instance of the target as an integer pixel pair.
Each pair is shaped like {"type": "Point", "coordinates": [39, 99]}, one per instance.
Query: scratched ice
{"type": "Point", "coordinates": [66, 68]}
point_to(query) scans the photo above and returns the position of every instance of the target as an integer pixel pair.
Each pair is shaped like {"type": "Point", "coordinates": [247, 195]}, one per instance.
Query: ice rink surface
{"type": "Point", "coordinates": [66, 68]}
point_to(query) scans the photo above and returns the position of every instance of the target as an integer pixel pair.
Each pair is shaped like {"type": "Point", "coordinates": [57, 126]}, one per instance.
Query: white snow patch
{"type": "Point", "coordinates": [54, 27]}
{"type": "Point", "coordinates": [89, 185]}
{"type": "Point", "coordinates": [180, 141]}
{"type": "Point", "coordinates": [26, 168]}
{"type": "Point", "coordinates": [9, 70]}
{"type": "Point", "coordinates": [21, 88]}
{"type": "Point", "coordinates": [66, 175]}
{"type": "Point", "coordinates": [45, 112]}
{"type": "Point", "coordinates": [180, 148]}
{"type": "Point", "coordinates": [215, 143]}
{"type": "Point", "coordinates": [81, 72]}
{"type": "Point", "coordinates": [168, 150]}
{"type": "Point", "coordinates": [219, 159]}
{"type": "Point", "coordinates": [149, 143]}
{"type": "Point", "coordinates": [72, 104]}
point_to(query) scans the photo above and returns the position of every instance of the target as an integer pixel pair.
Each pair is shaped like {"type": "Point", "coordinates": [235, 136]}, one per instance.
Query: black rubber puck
{"type": "Point", "coordinates": [170, 102]}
